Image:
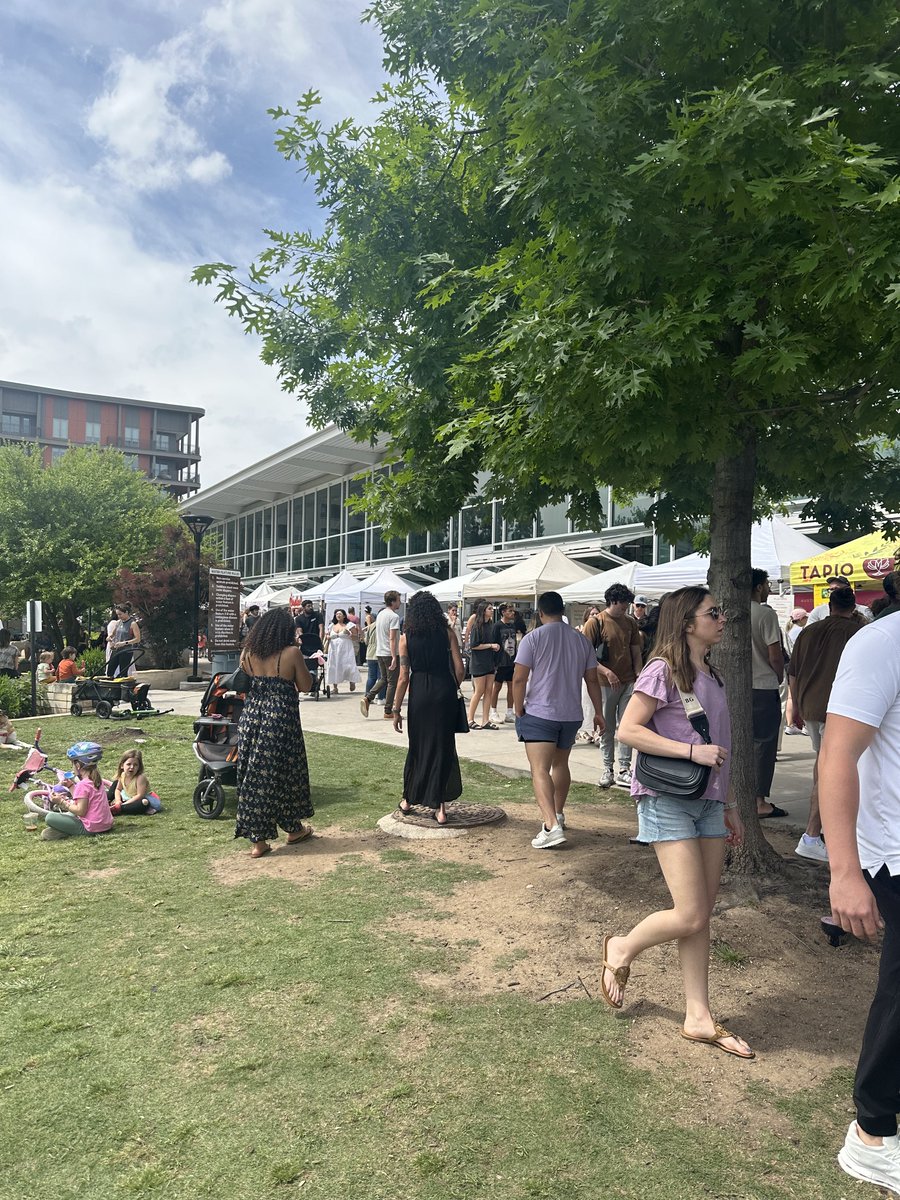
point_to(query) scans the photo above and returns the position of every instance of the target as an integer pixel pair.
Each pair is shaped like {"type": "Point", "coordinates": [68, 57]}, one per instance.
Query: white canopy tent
{"type": "Point", "coordinates": [343, 587]}
{"type": "Point", "coordinates": [586, 591]}
{"type": "Point", "coordinates": [547, 571]}
{"type": "Point", "coordinates": [774, 545]}
{"type": "Point", "coordinates": [450, 591]}
{"type": "Point", "coordinates": [371, 590]}
{"type": "Point", "coordinates": [262, 595]}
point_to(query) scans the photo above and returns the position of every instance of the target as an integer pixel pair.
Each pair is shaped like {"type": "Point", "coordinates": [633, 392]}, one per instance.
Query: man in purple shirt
{"type": "Point", "coordinates": [551, 662]}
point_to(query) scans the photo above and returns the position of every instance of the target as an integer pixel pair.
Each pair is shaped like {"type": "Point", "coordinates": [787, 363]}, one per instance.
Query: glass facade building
{"type": "Point", "coordinates": [287, 518]}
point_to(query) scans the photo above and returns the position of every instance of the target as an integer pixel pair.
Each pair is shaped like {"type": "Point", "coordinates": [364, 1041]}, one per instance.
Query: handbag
{"type": "Point", "coordinates": [681, 777]}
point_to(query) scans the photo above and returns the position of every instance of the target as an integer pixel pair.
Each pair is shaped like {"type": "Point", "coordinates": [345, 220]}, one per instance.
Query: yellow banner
{"type": "Point", "coordinates": [863, 562]}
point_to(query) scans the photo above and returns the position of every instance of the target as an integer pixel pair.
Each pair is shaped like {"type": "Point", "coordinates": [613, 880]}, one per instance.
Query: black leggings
{"type": "Point", "coordinates": [132, 808]}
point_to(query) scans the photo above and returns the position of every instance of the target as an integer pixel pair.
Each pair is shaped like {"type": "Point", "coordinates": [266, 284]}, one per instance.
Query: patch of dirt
{"type": "Point", "coordinates": [535, 928]}
{"type": "Point", "coordinates": [102, 873]}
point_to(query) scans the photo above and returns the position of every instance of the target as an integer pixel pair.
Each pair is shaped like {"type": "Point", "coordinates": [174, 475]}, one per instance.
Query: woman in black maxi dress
{"type": "Point", "coordinates": [431, 668]}
{"type": "Point", "coordinates": [273, 777]}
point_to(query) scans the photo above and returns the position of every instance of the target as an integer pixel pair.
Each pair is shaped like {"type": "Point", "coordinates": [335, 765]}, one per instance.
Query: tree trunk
{"type": "Point", "coordinates": [729, 580]}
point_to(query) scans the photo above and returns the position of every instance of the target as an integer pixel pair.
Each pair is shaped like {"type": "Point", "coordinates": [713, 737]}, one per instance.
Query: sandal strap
{"type": "Point", "coordinates": [722, 1032]}
{"type": "Point", "coordinates": [619, 974]}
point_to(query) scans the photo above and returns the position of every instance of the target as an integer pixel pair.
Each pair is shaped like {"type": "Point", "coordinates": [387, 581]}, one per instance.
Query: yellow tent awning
{"type": "Point", "coordinates": [863, 562]}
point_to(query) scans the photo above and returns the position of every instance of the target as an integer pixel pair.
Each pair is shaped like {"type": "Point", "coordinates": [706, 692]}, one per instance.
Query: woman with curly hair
{"type": "Point", "coordinates": [273, 777]}
{"type": "Point", "coordinates": [431, 668]}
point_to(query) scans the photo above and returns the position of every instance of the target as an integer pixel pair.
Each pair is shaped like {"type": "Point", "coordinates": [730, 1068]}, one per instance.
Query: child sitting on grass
{"type": "Point", "coordinates": [87, 812]}
{"type": "Point", "coordinates": [130, 793]}
{"type": "Point", "coordinates": [8, 734]}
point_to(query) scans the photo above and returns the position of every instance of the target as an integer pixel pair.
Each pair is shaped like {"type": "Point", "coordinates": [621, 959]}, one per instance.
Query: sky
{"type": "Point", "coordinates": [134, 145]}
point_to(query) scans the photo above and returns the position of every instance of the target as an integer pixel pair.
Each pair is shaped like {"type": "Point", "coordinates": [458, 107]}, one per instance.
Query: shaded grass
{"type": "Point", "coordinates": [166, 1036]}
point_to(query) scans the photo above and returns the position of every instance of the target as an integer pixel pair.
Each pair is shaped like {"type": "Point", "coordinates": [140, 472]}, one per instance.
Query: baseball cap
{"type": "Point", "coordinates": [641, 600]}
{"type": "Point", "coordinates": [798, 614]}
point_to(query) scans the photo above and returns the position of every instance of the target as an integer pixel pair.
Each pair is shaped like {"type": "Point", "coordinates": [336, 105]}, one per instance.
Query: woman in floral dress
{"type": "Point", "coordinates": [273, 777]}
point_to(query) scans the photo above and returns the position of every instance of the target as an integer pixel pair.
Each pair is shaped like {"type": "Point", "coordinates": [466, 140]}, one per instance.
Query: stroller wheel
{"type": "Point", "coordinates": [75, 710]}
{"type": "Point", "coordinates": [103, 709]}
{"type": "Point", "coordinates": [209, 799]}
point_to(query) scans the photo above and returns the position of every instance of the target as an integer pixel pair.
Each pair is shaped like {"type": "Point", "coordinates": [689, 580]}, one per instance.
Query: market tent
{"type": "Point", "coordinates": [547, 571]}
{"type": "Point", "coordinates": [864, 561]}
{"type": "Point", "coordinates": [286, 596]}
{"type": "Point", "coordinates": [343, 587]}
{"type": "Point", "coordinates": [590, 590]}
{"type": "Point", "coordinates": [773, 547]}
{"type": "Point", "coordinates": [450, 591]}
{"type": "Point", "coordinates": [371, 590]}
{"type": "Point", "coordinates": [261, 595]}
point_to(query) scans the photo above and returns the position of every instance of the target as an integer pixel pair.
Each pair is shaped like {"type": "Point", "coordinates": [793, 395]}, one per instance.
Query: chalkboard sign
{"type": "Point", "coordinates": [223, 632]}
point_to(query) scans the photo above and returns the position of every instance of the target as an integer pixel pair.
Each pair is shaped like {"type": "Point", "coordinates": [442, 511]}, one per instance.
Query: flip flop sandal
{"type": "Point", "coordinates": [300, 837]}
{"type": "Point", "coordinates": [620, 974]}
{"type": "Point", "coordinates": [776, 812]}
{"type": "Point", "coordinates": [720, 1035]}
{"type": "Point", "coordinates": [490, 725]}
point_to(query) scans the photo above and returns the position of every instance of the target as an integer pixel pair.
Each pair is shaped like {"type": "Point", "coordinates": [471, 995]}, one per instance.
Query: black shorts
{"type": "Point", "coordinates": [505, 673]}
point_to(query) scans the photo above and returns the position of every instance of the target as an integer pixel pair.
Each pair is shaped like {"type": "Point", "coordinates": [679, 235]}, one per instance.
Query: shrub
{"type": "Point", "coordinates": [94, 662]}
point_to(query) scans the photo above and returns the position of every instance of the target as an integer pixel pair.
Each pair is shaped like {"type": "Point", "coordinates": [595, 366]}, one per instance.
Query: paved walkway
{"type": "Point", "coordinates": [499, 748]}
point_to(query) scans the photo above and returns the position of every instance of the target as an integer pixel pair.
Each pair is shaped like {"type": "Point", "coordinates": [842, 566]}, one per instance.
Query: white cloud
{"type": "Point", "coordinates": [150, 145]}
{"type": "Point", "coordinates": [92, 311]}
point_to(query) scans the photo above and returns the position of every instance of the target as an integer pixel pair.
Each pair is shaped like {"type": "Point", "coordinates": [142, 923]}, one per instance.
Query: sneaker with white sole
{"type": "Point", "coordinates": [872, 1164]}
{"type": "Point", "coordinates": [548, 838]}
{"type": "Point", "coordinates": [364, 706]}
{"type": "Point", "coordinates": [623, 778]}
{"type": "Point", "coordinates": [510, 716]}
{"type": "Point", "coordinates": [495, 717]}
{"type": "Point", "coordinates": [561, 820]}
{"type": "Point", "coordinates": [791, 730]}
{"type": "Point", "coordinates": [606, 778]}
{"type": "Point", "coordinates": [812, 847]}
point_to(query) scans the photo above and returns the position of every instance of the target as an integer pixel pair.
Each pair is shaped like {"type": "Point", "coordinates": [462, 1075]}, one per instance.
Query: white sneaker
{"type": "Point", "coordinates": [606, 778]}
{"type": "Point", "coordinates": [812, 847]}
{"type": "Point", "coordinates": [561, 820]}
{"type": "Point", "coordinates": [623, 778]}
{"type": "Point", "coordinates": [790, 730]}
{"type": "Point", "coordinates": [495, 717]}
{"type": "Point", "coordinates": [548, 838]}
{"type": "Point", "coordinates": [582, 737]}
{"type": "Point", "coordinates": [873, 1164]}
{"type": "Point", "coordinates": [511, 716]}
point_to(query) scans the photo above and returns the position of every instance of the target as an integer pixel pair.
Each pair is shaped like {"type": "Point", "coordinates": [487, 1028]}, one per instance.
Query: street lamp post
{"type": "Point", "coordinates": [198, 525]}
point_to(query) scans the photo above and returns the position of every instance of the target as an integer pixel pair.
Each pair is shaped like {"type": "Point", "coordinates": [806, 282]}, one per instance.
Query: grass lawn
{"type": "Point", "coordinates": [164, 1035]}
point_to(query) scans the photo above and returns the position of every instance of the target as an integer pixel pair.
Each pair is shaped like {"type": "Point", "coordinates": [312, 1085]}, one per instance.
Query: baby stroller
{"type": "Point", "coordinates": [216, 744]}
{"type": "Point", "coordinates": [316, 664]}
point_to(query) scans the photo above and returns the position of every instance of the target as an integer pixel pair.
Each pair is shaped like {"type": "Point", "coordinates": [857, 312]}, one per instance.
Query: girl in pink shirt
{"type": "Point", "coordinates": [88, 810]}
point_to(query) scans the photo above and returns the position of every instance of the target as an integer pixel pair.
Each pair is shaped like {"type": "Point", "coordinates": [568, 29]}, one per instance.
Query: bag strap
{"type": "Point", "coordinates": [696, 714]}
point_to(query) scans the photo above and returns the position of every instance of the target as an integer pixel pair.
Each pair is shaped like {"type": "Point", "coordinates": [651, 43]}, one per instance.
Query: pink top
{"type": "Point", "coordinates": [670, 720]}
{"type": "Point", "coordinates": [98, 817]}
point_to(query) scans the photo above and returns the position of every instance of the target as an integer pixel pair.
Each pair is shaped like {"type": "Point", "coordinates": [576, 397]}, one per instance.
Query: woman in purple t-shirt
{"type": "Point", "coordinates": [689, 836]}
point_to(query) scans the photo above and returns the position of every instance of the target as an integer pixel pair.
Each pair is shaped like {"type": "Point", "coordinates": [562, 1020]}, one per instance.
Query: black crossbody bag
{"type": "Point", "coordinates": [681, 777]}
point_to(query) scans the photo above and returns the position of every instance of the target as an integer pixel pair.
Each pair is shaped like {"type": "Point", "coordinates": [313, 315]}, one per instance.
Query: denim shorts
{"type": "Point", "coordinates": [536, 729]}
{"type": "Point", "coordinates": [671, 819]}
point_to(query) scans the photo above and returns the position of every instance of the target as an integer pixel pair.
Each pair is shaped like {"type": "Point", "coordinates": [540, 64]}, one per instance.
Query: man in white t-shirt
{"type": "Point", "coordinates": [387, 651]}
{"type": "Point", "coordinates": [768, 671]}
{"type": "Point", "coordinates": [821, 611]}
{"type": "Point", "coordinates": [859, 799]}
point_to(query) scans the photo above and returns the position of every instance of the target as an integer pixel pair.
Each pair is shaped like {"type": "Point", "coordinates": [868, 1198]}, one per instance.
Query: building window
{"type": "Point", "coordinates": [18, 425]}
{"type": "Point", "coordinates": [281, 525]}
{"type": "Point", "coordinates": [309, 517]}
{"type": "Point", "coordinates": [633, 513]}
{"type": "Point", "coordinates": [57, 452]}
{"type": "Point", "coordinates": [356, 546]}
{"type": "Point", "coordinates": [322, 514]}
{"type": "Point", "coordinates": [477, 526]}
{"type": "Point", "coordinates": [164, 441]}
{"type": "Point", "coordinates": [552, 520]}
{"type": "Point", "coordinates": [61, 427]}
{"type": "Point", "coordinates": [92, 433]}
{"type": "Point", "coordinates": [440, 538]}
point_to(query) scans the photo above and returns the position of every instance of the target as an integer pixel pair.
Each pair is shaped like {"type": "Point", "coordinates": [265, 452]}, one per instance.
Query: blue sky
{"type": "Point", "coordinates": [134, 144]}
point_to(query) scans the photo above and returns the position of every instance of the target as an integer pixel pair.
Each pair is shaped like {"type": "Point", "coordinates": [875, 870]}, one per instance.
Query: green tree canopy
{"type": "Point", "coordinates": [67, 529]}
{"type": "Point", "coordinates": [651, 243]}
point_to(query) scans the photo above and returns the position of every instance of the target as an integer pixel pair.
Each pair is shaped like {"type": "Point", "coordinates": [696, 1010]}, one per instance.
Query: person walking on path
{"type": "Point", "coordinates": [272, 772]}
{"type": "Point", "coordinates": [811, 672]}
{"type": "Point", "coordinates": [621, 666]}
{"type": "Point", "coordinates": [505, 636]}
{"type": "Point", "coordinates": [482, 663]}
{"type": "Point", "coordinates": [387, 651]}
{"type": "Point", "coordinates": [767, 653]}
{"type": "Point", "coordinates": [431, 667]}
{"type": "Point", "coordinates": [550, 664]}
{"type": "Point", "coordinates": [859, 795]}
{"type": "Point", "coordinates": [689, 836]}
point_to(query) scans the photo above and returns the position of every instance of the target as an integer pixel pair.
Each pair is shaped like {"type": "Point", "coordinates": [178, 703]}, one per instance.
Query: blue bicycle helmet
{"type": "Point", "coordinates": [88, 753]}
